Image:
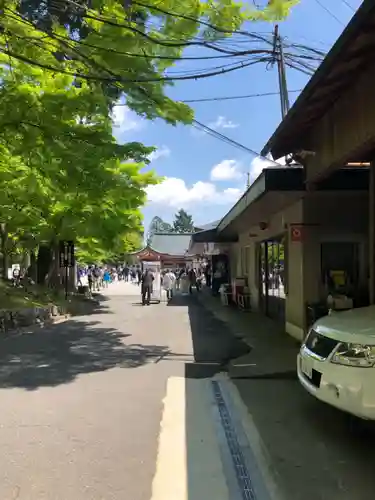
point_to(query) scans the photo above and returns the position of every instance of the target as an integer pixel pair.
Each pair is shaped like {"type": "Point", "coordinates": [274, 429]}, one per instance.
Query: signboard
{"type": "Point", "coordinates": [11, 270]}
{"type": "Point", "coordinates": [66, 253]}
{"type": "Point", "coordinates": [296, 233]}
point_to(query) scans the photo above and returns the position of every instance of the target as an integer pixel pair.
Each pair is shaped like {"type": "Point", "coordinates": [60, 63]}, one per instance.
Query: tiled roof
{"type": "Point", "coordinates": [171, 243]}
{"type": "Point", "coordinates": [207, 227]}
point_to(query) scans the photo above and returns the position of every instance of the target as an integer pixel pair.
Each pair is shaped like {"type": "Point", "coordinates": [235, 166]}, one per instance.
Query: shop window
{"type": "Point", "coordinates": [340, 266]}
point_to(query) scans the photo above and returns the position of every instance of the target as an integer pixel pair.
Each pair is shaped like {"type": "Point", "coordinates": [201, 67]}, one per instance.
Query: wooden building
{"type": "Point", "coordinates": [170, 249]}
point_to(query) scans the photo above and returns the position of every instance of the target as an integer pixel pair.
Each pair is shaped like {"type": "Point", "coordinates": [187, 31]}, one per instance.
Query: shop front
{"type": "Point", "coordinates": [294, 245]}
{"type": "Point", "coordinates": [331, 128]}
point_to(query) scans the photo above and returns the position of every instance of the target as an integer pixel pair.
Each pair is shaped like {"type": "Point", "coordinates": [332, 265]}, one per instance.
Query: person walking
{"type": "Point", "coordinates": [126, 272]}
{"type": "Point", "coordinates": [133, 274]}
{"type": "Point", "coordinates": [192, 280]}
{"type": "Point", "coordinates": [139, 275]}
{"type": "Point", "coordinates": [106, 278]}
{"type": "Point", "coordinates": [90, 280]}
{"type": "Point", "coordinates": [146, 287]}
{"type": "Point", "coordinates": [169, 280]}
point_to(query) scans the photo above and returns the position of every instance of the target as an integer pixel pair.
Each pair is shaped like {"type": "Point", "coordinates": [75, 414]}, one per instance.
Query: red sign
{"type": "Point", "coordinates": [296, 233]}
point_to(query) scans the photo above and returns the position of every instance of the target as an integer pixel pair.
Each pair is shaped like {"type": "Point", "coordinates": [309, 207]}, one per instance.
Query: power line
{"type": "Point", "coordinates": [115, 78]}
{"type": "Point", "coordinates": [228, 140]}
{"type": "Point", "coordinates": [348, 5]}
{"type": "Point", "coordinates": [226, 98]}
{"type": "Point", "coordinates": [214, 133]}
{"type": "Point", "coordinates": [329, 12]}
{"type": "Point", "coordinates": [232, 97]}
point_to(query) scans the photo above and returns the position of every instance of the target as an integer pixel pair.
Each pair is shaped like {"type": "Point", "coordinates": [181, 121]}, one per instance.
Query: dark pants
{"type": "Point", "coordinates": [169, 293]}
{"type": "Point", "coordinates": [146, 294]}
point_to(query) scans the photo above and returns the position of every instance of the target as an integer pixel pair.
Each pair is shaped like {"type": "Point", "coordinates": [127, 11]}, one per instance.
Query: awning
{"type": "Point", "coordinates": [275, 188]}
{"type": "Point", "coordinates": [199, 240]}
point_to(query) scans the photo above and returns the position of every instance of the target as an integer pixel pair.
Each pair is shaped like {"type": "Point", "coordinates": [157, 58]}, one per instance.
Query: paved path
{"type": "Point", "coordinates": [83, 404]}
{"type": "Point", "coordinates": [123, 288]}
{"type": "Point", "coordinates": [110, 406]}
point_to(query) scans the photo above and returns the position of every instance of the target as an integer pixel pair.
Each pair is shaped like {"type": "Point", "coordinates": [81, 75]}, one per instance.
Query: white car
{"type": "Point", "coordinates": [336, 363]}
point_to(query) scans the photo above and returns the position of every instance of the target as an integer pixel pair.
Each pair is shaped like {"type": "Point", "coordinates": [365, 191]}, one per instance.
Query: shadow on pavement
{"type": "Point", "coordinates": [59, 353]}
{"type": "Point", "coordinates": [213, 342]}
{"type": "Point", "coordinates": [96, 305]}
{"type": "Point", "coordinates": [179, 300]}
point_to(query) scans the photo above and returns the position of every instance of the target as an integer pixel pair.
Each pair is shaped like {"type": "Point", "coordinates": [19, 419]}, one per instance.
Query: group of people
{"type": "Point", "coordinates": [169, 281]}
{"type": "Point", "coordinates": [96, 277]}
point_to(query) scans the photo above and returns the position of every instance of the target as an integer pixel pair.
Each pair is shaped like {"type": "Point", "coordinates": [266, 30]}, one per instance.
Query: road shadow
{"type": "Point", "coordinates": [213, 341]}
{"type": "Point", "coordinates": [59, 353]}
{"type": "Point", "coordinates": [86, 307]}
{"type": "Point", "coordinates": [179, 300]}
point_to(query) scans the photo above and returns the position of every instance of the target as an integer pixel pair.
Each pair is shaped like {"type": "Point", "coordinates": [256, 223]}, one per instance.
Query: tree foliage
{"type": "Point", "coordinates": [63, 66]}
{"type": "Point", "coordinates": [183, 222]}
{"type": "Point", "coordinates": [158, 225]}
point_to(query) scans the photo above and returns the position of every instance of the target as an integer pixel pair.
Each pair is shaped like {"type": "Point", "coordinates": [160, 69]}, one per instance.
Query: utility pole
{"type": "Point", "coordinates": [248, 181]}
{"type": "Point", "coordinates": [278, 57]}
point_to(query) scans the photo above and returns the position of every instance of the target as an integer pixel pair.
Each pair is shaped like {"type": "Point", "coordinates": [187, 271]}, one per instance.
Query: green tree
{"type": "Point", "coordinates": [183, 222]}
{"type": "Point", "coordinates": [63, 66]}
{"type": "Point", "coordinates": [63, 174]}
{"type": "Point", "coordinates": [126, 47]}
{"type": "Point", "coordinates": [157, 225]}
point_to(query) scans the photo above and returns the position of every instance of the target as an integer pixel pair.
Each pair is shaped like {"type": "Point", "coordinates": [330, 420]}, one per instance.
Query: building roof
{"type": "Point", "coordinates": [171, 243]}
{"type": "Point", "coordinates": [348, 57]}
{"type": "Point", "coordinates": [272, 179]}
{"type": "Point", "coordinates": [207, 227]}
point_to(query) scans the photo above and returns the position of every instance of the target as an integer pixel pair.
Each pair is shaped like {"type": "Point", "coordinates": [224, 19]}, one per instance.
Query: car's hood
{"type": "Point", "coordinates": [356, 325]}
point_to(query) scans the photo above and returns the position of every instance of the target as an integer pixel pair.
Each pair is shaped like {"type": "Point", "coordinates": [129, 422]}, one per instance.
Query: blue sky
{"type": "Point", "coordinates": [202, 174]}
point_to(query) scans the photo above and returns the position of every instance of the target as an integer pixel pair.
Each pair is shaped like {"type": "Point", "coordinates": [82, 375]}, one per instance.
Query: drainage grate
{"type": "Point", "coordinates": [239, 464]}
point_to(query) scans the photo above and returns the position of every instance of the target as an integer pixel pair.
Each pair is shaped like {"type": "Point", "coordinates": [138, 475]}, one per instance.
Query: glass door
{"type": "Point", "coordinates": [272, 278]}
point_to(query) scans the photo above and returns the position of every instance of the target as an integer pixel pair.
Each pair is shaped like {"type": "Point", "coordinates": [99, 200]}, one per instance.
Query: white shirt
{"type": "Point", "coordinates": [168, 280]}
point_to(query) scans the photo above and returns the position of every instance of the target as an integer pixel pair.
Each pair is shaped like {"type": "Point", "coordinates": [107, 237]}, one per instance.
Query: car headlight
{"type": "Point", "coordinates": [362, 356]}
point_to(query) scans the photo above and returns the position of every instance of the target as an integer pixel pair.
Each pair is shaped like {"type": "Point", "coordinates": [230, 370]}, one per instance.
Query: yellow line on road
{"type": "Point", "coordinates": [188, 465]}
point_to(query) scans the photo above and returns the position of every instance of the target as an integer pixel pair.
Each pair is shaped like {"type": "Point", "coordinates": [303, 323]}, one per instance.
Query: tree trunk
{"type": "Point", "coordinates": [33, 268]}
{"type": "Point", "coordinates": [55, 275]}
{"type": "Point", "coordinates": [44, 260]}
{"type": "Point", "coordinates": [4, 250]}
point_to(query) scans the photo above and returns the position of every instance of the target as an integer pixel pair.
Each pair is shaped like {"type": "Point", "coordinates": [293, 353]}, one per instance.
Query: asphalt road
{"type": "Point", "coordinates": [82, 402]}
{"type": "Point", "coordinates": [113, 406]}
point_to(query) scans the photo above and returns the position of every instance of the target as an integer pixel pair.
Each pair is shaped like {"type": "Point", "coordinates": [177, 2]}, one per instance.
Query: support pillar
{"type": "Point", "coordinates": [372, 234]}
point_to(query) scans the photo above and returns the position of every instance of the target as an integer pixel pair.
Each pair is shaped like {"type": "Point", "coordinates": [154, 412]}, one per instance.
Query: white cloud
{"type": "Point", "coordinates": [226, 170]}
{"type": "Point", "coordinates": [162, 152]}
{"type": "Point", "coordinates": [174, 192]}
{"type": "Point", "coordinates": [124, 119]}
{"type": "Point", "coordinates": [222, 122]}
{"type": "Point", "coordinates": [258, 164]}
